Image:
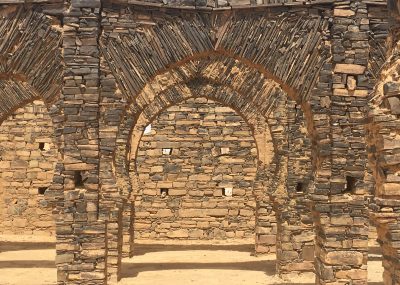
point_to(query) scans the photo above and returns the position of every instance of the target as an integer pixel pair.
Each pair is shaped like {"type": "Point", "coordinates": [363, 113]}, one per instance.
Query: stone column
{"type": "Point", "coordinates": [296, 240]}
{"type": "Point", "coordinates": [341, 213]}
{"type": "Point", "coordinates": [385, 164]}
{"type": "Point", "coordinates": [81, 236]}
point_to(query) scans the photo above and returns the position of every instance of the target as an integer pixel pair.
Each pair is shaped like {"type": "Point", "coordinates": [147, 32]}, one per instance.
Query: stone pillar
{"type": "Point", "coordinates": [385, 164]}
{"type": "Point", "coordinates": [296, 239]}
{"type": "Point", "coordinates": [81, 236]}
{"type": "Point", "coordinates": [389, 238]}
{"type": "Point", "coordinates": [341, 214]}
{"type": "Point", "coordinates": [266, 227]}
{"type": "Point", "coordinates": [112, 201]}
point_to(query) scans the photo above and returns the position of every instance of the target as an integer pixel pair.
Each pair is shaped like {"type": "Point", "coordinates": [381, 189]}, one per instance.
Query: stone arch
{"type": "Point", "coordinates": [147, 69]}
{"type": "Point", "coordinates": [139, 117]}
{"type": "Point", "coordinates": [34, 36]}
{"type": "Point", "coordinates": [30, 34]}
{"type": "Point", "coordinates": [30, 64]}
{"type": "Point", "coordinates": [193, 39]}
{"type": "Point", "coordinates": [193, 42]}
{"type": "Point", "coordinates": [31, 70]}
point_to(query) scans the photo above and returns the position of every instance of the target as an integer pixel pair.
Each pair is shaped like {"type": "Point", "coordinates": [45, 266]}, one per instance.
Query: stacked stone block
{"type": "Point", "coordinates": [27, 161]}
{"type": "Point", "coordinates": [342, 225]}
{"type": "Point", "coordinates": [81, 234]}
{"type": "Point", "coordinates": [195, 151]}
{"type": "Point", "coordinates": [323, 55]}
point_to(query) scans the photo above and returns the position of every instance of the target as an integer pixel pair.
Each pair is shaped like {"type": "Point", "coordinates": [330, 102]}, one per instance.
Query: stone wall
{"type": "Point", "coordinates": [27, 161]}
{"type": "Point", "coordinates": [195, 151]}
{"type": "Point", "coordinates": [123, 61]}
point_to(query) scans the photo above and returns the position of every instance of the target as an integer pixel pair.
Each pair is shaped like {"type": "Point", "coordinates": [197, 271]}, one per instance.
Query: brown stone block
{"type": "Point", "coordinates": [344, 257]}
{"type": "Point", "coordinates": [20, 222]}
{"type": "Point", "coordinates": [307, 252]}
{"type": "Point", "coordinates": [300, 266]}
{"type": "Point", "coordinates": [266, 239]}
{"type": "Point", "coordinates": [93, 253]}
{"type": "Point", "coordinates": [353, 274]}
{"type": "Point", "coordinates": [177, 192]}
{"type": "Point", "coordinates": [79, 166]}
{"type": "Point", "coordinates": [64, 258]}
{"type": "Point", "coordinates": [246, 213]}
{"type": "Point", "coordinates": [349, 68]}
{"type": "Point", "coordinates": [163, 213]}
{"type": "Point", "coordinates": [341, 220]}
{"type": "Point", "coordinates": [178, 234]}
{"type": "Point", "coordinates": [343, 12]}
{"type": "Point", "coordinates": [216, 212]}
{"type": "Point", "coordinates": [191, 213]}
{"type": "Point", "coordinates": [390, 189]}
{"type": "Point", "coordinates": [196, 234]}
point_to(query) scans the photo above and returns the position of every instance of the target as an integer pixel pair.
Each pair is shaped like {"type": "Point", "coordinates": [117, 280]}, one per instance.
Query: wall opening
{"type": "Point", "coordinates": [167, 151]}
{"type": "Point", "coordinates": [227, 191]}
{"type": "Point", "coordinates": [42, 190]}
{"type": "Point", "coordinates": [78, 180]}
{"type": "Point", "coordinates": [300, 187]}
{"type": "Point", "coordinates": [164, 192]}
{"type": "Point", "coordinates": [41, 146]}
{"type": "Point", "coordinates": [350, 184]}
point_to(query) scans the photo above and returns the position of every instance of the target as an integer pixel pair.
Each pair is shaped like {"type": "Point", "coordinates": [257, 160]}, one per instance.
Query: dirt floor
{"type": "Point", "coordinates": [30, 261]}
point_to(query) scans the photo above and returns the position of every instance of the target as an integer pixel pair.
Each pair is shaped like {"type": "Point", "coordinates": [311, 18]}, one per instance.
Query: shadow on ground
{"type": "Point", "coordinates": [27, 264]}
{"type": "Point", "coordinates": [141, 249]}
{"type": "Point", "coordinates": [130, 269]}
{"type": "Point", "coordinates": [133, 269]}
{"type": "Point", "coordinates": [17, 246]}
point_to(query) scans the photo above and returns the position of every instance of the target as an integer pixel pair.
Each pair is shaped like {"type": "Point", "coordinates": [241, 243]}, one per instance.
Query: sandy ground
{"type": "Point", "coordinates": [30, 261]}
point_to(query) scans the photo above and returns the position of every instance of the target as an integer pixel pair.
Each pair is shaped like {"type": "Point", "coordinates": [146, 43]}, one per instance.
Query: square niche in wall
{"type": "Point", "coordinates": [227, 191]}
{"type": "Point", "coordinates": [43, 146]}
{"type": "Point", "coordinates": [167, 151]}
{"type": "Point", "coordinates": [164, 192]}
{"type": "Point", "coordinates": [42, 190]}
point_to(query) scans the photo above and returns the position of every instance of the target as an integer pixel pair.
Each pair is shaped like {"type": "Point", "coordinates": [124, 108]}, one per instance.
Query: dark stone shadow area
{"type": "Point", "coordinates": [376, 252]}
{"type": "Point", "coordinates": [133, 269]}
{"type": "Point", "coordinates": [16, 246]}
{"type": "Point", "coordinates": [27, 264]}
{"type": "Point", "coordinates": [141, 249]}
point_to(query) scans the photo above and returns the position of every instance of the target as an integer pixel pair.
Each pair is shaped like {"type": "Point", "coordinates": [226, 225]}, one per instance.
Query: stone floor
{"type": "Point", "coordinates": [31, 261]}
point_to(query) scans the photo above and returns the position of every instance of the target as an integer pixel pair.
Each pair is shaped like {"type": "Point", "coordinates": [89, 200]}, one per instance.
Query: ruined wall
{"type": "Point", "coordinates": [27, 160]}
{"type": "Point", "coordinates": [211, 148]}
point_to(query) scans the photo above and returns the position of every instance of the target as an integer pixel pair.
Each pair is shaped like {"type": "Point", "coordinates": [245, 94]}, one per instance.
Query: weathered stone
{"type": "Point", "coordinates": [349, 68]}
{"type": "Point", "coordinates": [344, 257]}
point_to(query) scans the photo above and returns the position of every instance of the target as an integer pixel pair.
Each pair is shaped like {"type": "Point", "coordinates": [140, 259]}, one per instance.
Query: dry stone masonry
{"type": "Point", "coordinates": [316, 83]}
{"type": "Point", "coordinates": [28, 157]}
{"type": "Point", "coordinates": [197, 167]}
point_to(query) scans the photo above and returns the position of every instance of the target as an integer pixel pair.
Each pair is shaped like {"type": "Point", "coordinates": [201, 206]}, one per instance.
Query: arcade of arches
{"type": "Point", "coordinates": [129, 120]}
